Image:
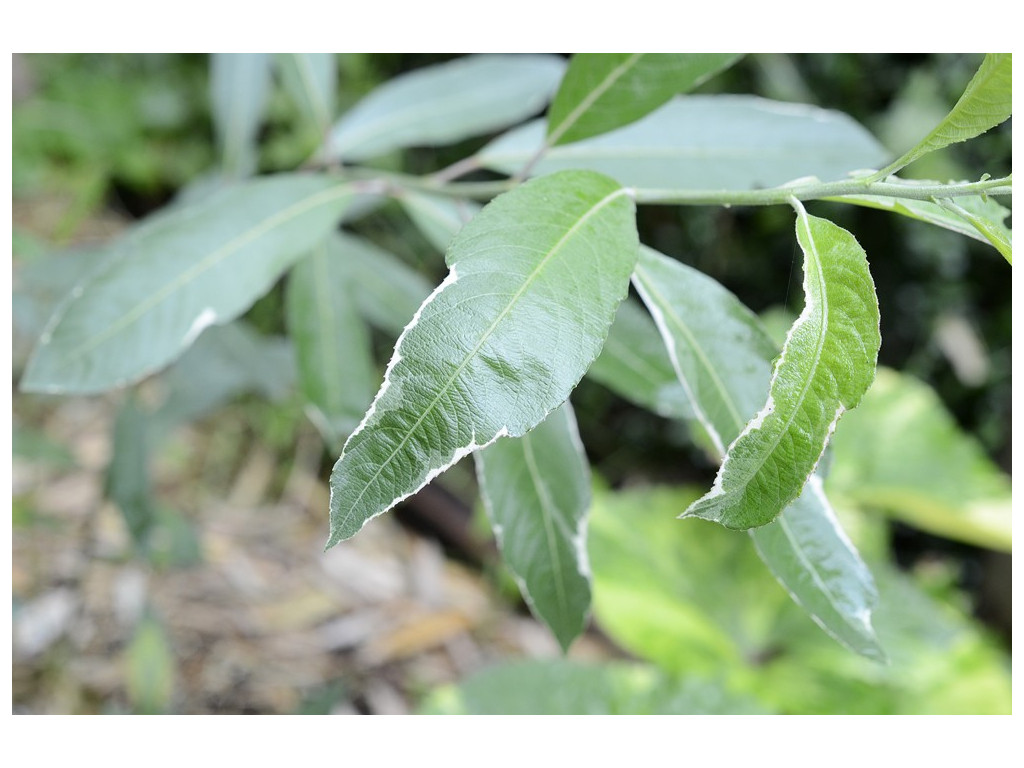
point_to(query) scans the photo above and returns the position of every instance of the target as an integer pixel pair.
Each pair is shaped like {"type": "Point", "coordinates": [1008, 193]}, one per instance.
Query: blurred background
{"type": "Point", "coordinates": [168, 541]}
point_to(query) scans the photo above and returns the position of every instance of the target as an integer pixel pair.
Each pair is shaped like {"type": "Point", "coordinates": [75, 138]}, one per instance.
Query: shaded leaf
{"type": "Point", "coordinates": [387, 290]}
{"type": "Point", "coordinates": [177, 274]}
{"type": "Point", "coordinates": [336, 370]}
{"type": "Point", "coordinates": [827, 364]}
{"type": "Point", "coordinates": [604, 91]}
{"type": "Point", "coordinates": [536, 490]}
{"type": "Point", "coordinates": [902, 453]}
{"type": "Point", "coordinates": [704, 142]}
{"type": "Point", "coordinates": [722, 355]}
{"type": "Point", "coordinates": [310, 79]}
{"type": "Point", "coordinates": [239, 87]}
{"type": "Point", "coordinates": [558, 687]}
{"type": "Point", "coordinates": [438, 218]}
{"type": "Point", "coordinates": [533, 286]}
{"type": "Point", "coordinates": [986, 102]}
{"type": "Point", "coordinates": [445, 103]}
{"type": "Point", "coordinates": [127, 481]}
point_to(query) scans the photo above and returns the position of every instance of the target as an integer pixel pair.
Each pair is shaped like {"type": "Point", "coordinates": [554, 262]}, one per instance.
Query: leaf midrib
{"type": "Point", "coordinates": [483, 339]}
{"type": "Point", "coordinates": [610, 79]}
{"type": "Point", "coordinates": [547, 516]}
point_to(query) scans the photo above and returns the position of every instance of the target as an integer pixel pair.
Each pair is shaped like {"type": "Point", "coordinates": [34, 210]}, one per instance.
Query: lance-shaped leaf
{"type": "Point", "coordinates": [310, 79]}
{"type": "Point", "coordinates": [722, 355]}
{"type": "Point", "coordinates": [533, 286]}
{"type": "Point", "coordinates": [704, 143]}
{"type": "Point", "coordinates": [536, 490]}
{"type": "Point", "coordinates": [987, 102]}
{"type": "Point", "coordinates": [445, 103]}
{"type": "Point", "coordinates": [239, 87]}
{"type": "Point", "coordinates": [980, 218]}
{"type": "Point", "coordinates": [336, 369]}
{"type": "Point", "coordinates": [177, 274]}
{"type": "Point", "coordinates": [604, 91]}
{"type": "Point", "coordinates": [438, 218]}
{"type": "Point", "coordinates": [827, 364]}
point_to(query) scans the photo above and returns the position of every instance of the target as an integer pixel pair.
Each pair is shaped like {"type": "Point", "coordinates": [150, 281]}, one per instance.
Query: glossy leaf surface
{"type": "Point", "coordinates": [533, 286]}
{"type": "Point", "coordinates": [986, 102]}
{"type": "Point", "coordinates": [827, 364]}
{"type": "Point", "coordinates": [445, 103]}
{"type": "Point", "coordinates": [177, 274]}
{"type": "Point", "coordinates": [722, 356]}
{"type": "Point", "coordinates": [604, 91]}
{"type": "Point", "coordinates": [336, 370]}
{"type": "Point", "coordinates": [536, 490]}
{"type": "Point", "coordinates": [705, 142]}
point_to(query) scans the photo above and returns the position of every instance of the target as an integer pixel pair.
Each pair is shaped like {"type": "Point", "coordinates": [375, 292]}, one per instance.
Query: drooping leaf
{"type": "Point", "coordinates": [438, 218]}
{"type": "Point", "coordinates": [704, 142]}
{"type": "Point", "coordinates": [634, 365]}
{"type": "Point", "coordinates": [902, 453]}
{"type": "Point", "coordinates": [722, 355]}
{"type": "Point", "coordinates": [128, 481]}
{"type": "Point", "coordinates": [336, 370]}
{"type": "Point", "coordinates": [536, 490]}
{"type": "Point", "coordinates": [561, 687]}
{"type": "Point", "coordinates": [177, 274]}
{"type": "Point", "coordinates": [310, 79]}
{"type": "Point", "coordinates": [239, 87]}
{"type": "Point", "coordinates": [604, 91]}
{"type": "Point", "coordinates": [387, 291]}
{"type": "Point", "coordinates": [808, 553]}
{"type": "Point", "coordinates": [533, 286]}
{"type": "Point", "coordinates": [986, 102]}
{"type": "Point", "coordinates": [827, 364]}
{"type": "Point", "coordinates": [445, 103]}
{"type": "Point", "coordinates": [981, 218]}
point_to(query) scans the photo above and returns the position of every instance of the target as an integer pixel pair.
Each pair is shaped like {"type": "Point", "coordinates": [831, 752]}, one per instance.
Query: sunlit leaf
{"type": "Point", "coordinates": [239, 87]}
{"type": "Point", "coordinates": [827, 364]}
{"type": "Point", "coordinates": [704, 142]}
{"type": "Point", "coordinates": [604, 91]}
{"type": "Point", "coordinates": [536, 490]}
{"type": "Point", "coordinates": [533, 286]}
{"type": "Point", "coordinates": [177, 274]}
{"type": "Point", "coordinates": [903, 454]}
{"type": "Point", "coordinates": [986, 102]}
{"type": "Point", "coordinates": [336, 370]}
{"type": "Point", "coordinates": [445, 103]}
{"type": "Point", "coordinates": [559, 687]}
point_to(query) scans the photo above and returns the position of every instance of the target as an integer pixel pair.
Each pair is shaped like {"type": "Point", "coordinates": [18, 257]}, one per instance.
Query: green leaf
{"type": "Point", "coordinates": [336, 370]}
{"type": "Point", "coordinates": [634, 365]}
{"type": "Point", "coordinates": [704, 142]}
{"type": "Point", "coordinates": [445, 103]}
{"type": "Point", "coordinates": [902, 453]}
{"type": "Point", "coordinates": [604, 91]}
{"type": "Point", "coordinates": [827, 364]}
{"type": "Point", "coordinates": [560, 687]}
{"type": "Point", "coordinates": [438, 218]}
{"type": "Point", "coordinates": [533, 286]}
{"type": "Point", "coordinates": [986, 102]}
{"type": "Point", "coordinates": [387, 291]}
{"type": "Point", "coordinates": [127, 482]}
{"type": "Point", "coordinates": [981, 218]}
{"type": "Point", "coordinates": [310, 79]}
{"type": "Point", "coordinates": [722, 355]}
{"type": "Point", "coordinates": [149, 669]}
{"type": "Point", "coordinates": [536, 490]}
{"type": "Point", "coordinates": [239, 87]}
{"type": "Point", "coordinates": [177, 274]}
